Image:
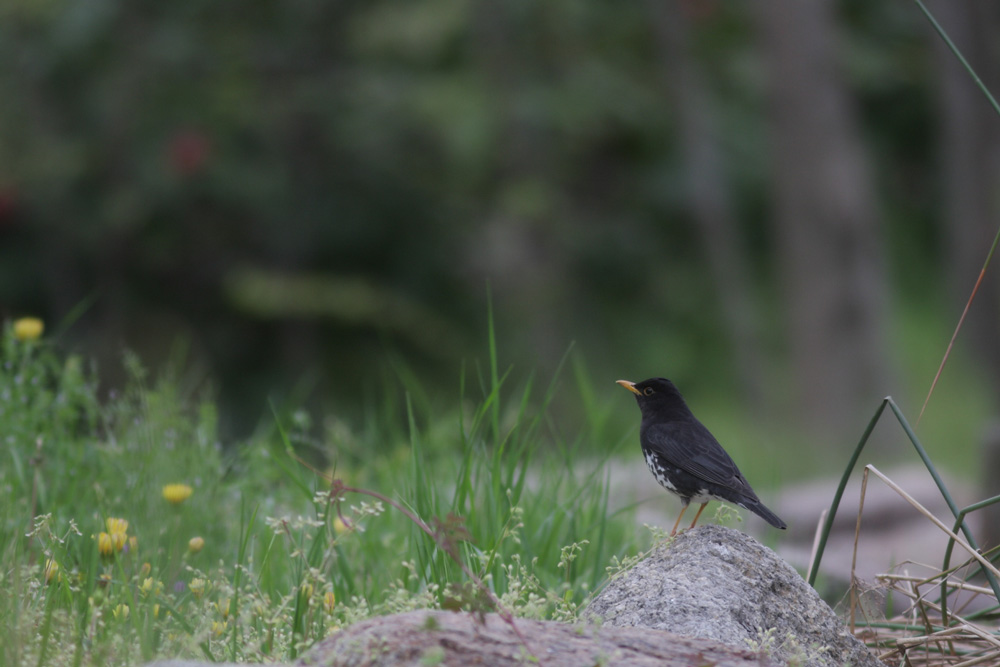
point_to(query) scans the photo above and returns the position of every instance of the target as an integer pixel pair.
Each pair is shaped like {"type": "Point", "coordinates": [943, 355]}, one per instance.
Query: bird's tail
{"type": "Point", "coordinates": [765, 514]}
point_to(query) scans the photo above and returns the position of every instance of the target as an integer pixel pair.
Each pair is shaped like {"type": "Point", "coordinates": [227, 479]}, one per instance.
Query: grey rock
{"type": "Point", "coordinates": [718, 583]}
{"type": "Point", "coordinates": [456, 639]}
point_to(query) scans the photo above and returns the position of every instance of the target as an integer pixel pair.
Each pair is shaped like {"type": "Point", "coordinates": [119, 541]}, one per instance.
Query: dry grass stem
{"type": "Point", "coordinates": [923, 634]}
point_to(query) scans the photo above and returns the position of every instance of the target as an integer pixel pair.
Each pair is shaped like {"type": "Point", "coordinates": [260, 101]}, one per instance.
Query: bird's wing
{"type": "Point", "coordinates": [692, 448]}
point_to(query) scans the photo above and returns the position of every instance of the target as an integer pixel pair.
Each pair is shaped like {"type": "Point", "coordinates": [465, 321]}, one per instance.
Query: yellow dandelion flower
{"type": "Point", "coordinates": [104, 544]}
{"type": "Point", "coordinates": [28, 328]}
{"type": "Point", "coordinates": [115, 539]}
{"type": "Point", "coordinates": [175, 494]}
{"type": "Point", "coordinates": [222, 606]}
{"type": "Point", "coordinates": [329, 600]}
{"type": "Point", "coordinates": [119, 540]}
{"type": "Point", "coordinates": [196, 544]}
{"type": "Point", "coordinates": [116, 525]}
{"type": "Point", "coordinates": [146, 587]}
{"type": "Point", "coordinates": [121, 611]}
{"type": "Point", "coordinates": [219, 627]}
{"type": "Point", "coordinates": [306, 591]}
{"type": "Point", "coordinates": [197, 587]}
{"type": "Point", "coordinates": [133, 543]}
{"type": "Point", "coordinates": [51, 570]}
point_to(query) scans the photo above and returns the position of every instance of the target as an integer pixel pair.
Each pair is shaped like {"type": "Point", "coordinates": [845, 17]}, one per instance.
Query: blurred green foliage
{"type": "Point", "coordinates": [304, 189]}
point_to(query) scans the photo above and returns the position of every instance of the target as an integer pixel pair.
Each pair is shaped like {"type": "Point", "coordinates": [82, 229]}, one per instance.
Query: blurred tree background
{"type": "Point", "coordinates": [765, 201]}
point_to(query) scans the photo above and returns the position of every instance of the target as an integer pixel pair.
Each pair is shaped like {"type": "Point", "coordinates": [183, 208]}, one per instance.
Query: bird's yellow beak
{"type": "Point", "coordinates": [629, 385]}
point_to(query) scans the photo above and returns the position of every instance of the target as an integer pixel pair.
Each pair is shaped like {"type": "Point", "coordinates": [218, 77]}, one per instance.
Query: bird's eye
{"type": "Point", "coordinates": [648, 391]}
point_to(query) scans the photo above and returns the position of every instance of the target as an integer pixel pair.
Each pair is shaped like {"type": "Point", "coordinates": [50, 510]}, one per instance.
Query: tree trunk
{"type": "Point", "coordinates": [516, 248]}
{"type": "Point", "coordinates": [708, 192]}
{"type": "Point", "coordinates": [828, 237]}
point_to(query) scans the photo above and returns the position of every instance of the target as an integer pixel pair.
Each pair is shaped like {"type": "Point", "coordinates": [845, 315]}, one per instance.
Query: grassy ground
{"type": "Point", "coordinates": [131, 533]}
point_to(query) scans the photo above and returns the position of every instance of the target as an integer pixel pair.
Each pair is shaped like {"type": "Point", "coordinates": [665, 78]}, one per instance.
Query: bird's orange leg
{"type": "Point", "coordinates": [700, 510]}
{"type": "Point", "coordinates": [684, 508]}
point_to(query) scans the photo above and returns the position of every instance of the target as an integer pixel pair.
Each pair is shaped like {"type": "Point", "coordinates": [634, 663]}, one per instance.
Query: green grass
{"type": "Point", "coordinates": [511, 480]}
{"type": "Point", "coordinates": [283, 563]}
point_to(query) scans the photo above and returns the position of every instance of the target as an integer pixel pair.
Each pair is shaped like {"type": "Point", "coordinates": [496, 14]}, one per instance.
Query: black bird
{"type": "Point", "coordinates": [684, 457]}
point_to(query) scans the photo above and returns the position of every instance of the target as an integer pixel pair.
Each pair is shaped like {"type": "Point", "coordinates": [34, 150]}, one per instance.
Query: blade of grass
{"type": "Point", "coordinates": [943, 489]}
{"type": "Point", "coordinates": [931, 468]}
{"type": "Point", "coordinates": [828, 524]}
{"type": "Point", "coordinates": [463, 489]}
{"type": "Point", "coordinates": [602, 526]}
{"type": "Point", "coordinates": [958, 54]}
{"type": "Point", "coordinates": [958, 327]}
{"type": "Point", "coordinates": [246, 529]}
{"type": "Point", "coordinates": [494, 375]}
{"type": "Point", "coordinates": [346, 573]}
{"type": "Point", "coordinates": [854, 557]}
{"type": "Point", "coordinates": [989, 256]}
{"type": "Point", "coordinates": [959, 521]}
{"type": "Point", "coordinates": [74, 314]}
{"type": "Point", "coordinates": [46, 632]}
{"type": "Point", "coordinates": [289, 471]}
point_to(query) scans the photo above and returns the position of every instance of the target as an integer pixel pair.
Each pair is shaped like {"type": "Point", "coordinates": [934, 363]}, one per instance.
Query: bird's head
{"type": "Point", "coordinates": [656, 395]}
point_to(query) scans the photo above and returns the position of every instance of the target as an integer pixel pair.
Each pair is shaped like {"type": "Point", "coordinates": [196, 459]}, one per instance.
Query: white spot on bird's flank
{"type": "Point", "coordinates": [659, 472]}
